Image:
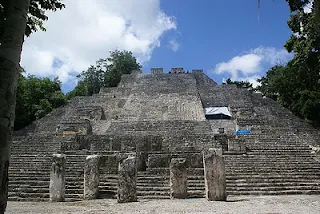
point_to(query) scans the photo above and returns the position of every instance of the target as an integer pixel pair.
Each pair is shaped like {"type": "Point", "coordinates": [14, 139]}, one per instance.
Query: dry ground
{"type": "Point", "coordinates": [239, 205]}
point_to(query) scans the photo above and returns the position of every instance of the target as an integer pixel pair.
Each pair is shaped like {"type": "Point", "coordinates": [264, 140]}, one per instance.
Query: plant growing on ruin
{"type": "Point", "coordinates": [105, 73]}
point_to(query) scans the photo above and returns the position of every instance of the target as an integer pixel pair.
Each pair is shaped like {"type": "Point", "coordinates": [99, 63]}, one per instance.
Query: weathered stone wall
{"type": "Point", "coordinates": [174, 98]}
{"type": "Point", "coordinates": [156, 70]}
{"type": "Point", "coordinates": [202, 79]}
{"type": "Point", "coordinates": [145, 142]}
{"type": "Point", "coordinates": [177, 70]}
{"type": "Point", "coordinates": [192, 159]}
{"type": "Point", "coordinates": [74, 126]}
{"type": "Point", "coordinates": [154, 127]}
{"type": "Point", "coordinates": [125, 142]}
{"type": "Point", "coordinates": [229, 126]}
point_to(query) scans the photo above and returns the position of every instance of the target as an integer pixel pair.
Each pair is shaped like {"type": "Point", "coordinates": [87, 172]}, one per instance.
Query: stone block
{"type": "Point", "coordinates": [177, 70]}
{"type": "Point", "coordinates": [127, 183]}
{"type": "Point", "coordinates": [178, 178]}
{"type": "Point", "coordinates": [157, 70]}
{"type": "Point", "coordinates": [197, 71]}
{"type": "Point", "coordinates": [214, 175]}
{"type": "Point", "coordinates": [91, 177]}
{"type": "Point", "coordinates": [57, 178]}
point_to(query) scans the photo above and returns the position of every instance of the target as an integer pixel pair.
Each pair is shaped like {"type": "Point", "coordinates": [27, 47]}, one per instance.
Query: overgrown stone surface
{"type": "Point", "coordinates": [127, 185]}
{"type": "Point", "coordinates": [57, 178]}
{"type": "Point", "coordinates": [214, 175]}
{"type": "Point", "coordinates": [91, 177]}
{"type": "Point", "coordinates": [178, 178]}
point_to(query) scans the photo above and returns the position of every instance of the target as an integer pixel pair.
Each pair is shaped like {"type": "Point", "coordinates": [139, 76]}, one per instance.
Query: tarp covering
{"type": "Point", "coordinates": [216, 111]}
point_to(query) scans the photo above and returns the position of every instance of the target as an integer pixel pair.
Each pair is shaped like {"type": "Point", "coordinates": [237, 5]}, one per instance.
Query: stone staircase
{"type": "Point", "coordinates": [273, 167]}
{"type": "Point", "coordinates": [155, 184]}
{"type": "Point", "coordinates": [29, 168]}
{"type": "Point", "coordinates": [29, 177]}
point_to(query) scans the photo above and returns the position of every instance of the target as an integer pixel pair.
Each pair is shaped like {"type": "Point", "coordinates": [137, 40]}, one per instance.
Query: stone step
{"type": "Point", "coordinates": [30, 189]}
{"type": "Point", "coordinates": [29, 195]}
{"type": "Point", "coordinates": [150, 177]}
{"type": "Point", "coordinates": [105, 193]}
{"type": "Point", "coordinates": [16, 198]}
{"type": "Point", "coordinates": [70, 192]}
{"type": "Point", "coordinates": [148, 193]}
{"type": "Point", "coordinates": [279, 184]}
{"type": "Point", "coordinates": [110, 187]}
{"type": "Point", "coordinates": [264, 157]}
{"type": "Point", "coordinates": [154, 188]}
{"type": "Point", "coordinates": [153, 197]}
{"type": "Point", "coordinates": [278, 172]}
{"type": "Point", "coordinates": [270, 170]}
{"type": "Point", "coordinates": [280, 192]}
{"type": "Point", "coordinates": [26, 178]}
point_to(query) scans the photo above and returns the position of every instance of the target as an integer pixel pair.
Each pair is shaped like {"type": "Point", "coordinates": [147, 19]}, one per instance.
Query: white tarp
{"type": "Point", "coordinates": [217, 110]}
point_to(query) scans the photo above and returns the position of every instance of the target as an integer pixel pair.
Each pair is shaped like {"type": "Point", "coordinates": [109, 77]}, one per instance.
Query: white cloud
{"type": "Point", "coordinates": [308, 7]}
{"type": "Point", "coordinates": [272, 55]}
{"type": "Point", "coordinates": [251, 62]}
{"type": "Point", "coordinates": [246, 64]}
{"type": "Point", "coordinates": [251, 79]}
{"type": "Point", "coordinates": [85, 31]}
{"type": "Point", "coordinates": [174, 45]}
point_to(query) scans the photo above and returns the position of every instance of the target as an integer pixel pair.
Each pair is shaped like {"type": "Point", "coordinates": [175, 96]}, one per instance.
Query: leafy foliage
{"type": "Point", "coordinates": [106, 73]}
{"type": "Point", "coordinates": [240, 84]}
{"type": "Point", "coordinates": [36, 97]}
{"type": "Point", "coordinates": [297, 85]}
{"type": "Point", "coordinates": [36, 15]}
{"type": "Point", "coordinates": [81, 89]}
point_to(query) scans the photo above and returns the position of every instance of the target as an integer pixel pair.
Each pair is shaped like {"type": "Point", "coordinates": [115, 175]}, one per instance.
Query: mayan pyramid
{"type": "Point", "coordinates": [160, 116]}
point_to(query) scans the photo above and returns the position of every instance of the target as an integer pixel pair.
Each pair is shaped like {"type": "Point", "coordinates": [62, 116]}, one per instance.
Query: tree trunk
{"type": "Point", "coordinates": [10, 52]}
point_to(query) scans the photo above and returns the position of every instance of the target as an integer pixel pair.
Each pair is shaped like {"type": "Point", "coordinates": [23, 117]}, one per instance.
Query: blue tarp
{"type": "Point", "coordinates": [243, 132]}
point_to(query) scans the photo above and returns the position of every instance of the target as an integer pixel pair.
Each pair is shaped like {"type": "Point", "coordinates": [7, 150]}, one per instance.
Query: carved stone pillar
{"type": "Point", "coordinates": [178, 178]}
{"type": "Point", "coordinates": [127, 184]}
{"type": "Point", "coordinates": [57, 178]}
{"type": "Point", "coordinates": [214, 175]}
{"type": "Point", "coordinates": [91, 177]}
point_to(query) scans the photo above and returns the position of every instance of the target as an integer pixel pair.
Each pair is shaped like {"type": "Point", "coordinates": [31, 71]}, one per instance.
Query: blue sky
{"type": "Point", "coordinates": [216, 31]}
{"type": "Point", "coordinates": [224, 38]}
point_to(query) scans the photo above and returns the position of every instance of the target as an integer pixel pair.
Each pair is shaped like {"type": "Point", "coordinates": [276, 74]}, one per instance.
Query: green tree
{"type": "Point", "coordinates": [105, 73]}
{"type": "Point", "coordinates": [81, 89]}
{"type": "Point", "coordinates": [15, 22]}
{"type": "Point", "coordinates": [239, 84]}
{"type": "Point", "coordinates": [121, 62]}
{"type": "Point", "coordinates": [296, 85]}
{"type": "Point", "coordinates": [36, 97]}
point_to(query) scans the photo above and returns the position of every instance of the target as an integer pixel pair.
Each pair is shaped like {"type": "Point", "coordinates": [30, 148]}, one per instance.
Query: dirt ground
{"type": "Point", "coordinates": [239, 205]}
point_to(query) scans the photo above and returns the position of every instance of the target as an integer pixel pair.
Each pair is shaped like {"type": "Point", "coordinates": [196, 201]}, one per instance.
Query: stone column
{"type": "Point", "coordinates": [127, 183]}
{"type": "Point", "coordinates": [91, 177]}
{"type": "Point", "coordinates": [178, 178]}
{"type": "Point", "coordinates": [214, 175]}
{"type": "Point", "coordinates": [57, 178]}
